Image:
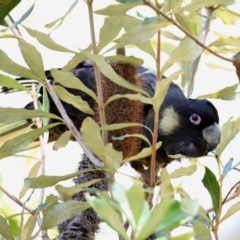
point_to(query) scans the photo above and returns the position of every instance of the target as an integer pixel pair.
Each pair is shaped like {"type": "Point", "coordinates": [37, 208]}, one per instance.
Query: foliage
{"type": "Point", "coordinates": [122, 205]}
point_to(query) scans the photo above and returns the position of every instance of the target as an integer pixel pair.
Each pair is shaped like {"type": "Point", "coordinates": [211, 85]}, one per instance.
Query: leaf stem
{"type": "Point", "coordinates": [97, 73]}
{"type": "Point", "coordinates": [151, 5]}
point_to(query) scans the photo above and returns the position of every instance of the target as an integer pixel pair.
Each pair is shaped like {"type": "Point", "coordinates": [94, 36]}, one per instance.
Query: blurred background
{"type": "Point", "coordinates": [213, 74]}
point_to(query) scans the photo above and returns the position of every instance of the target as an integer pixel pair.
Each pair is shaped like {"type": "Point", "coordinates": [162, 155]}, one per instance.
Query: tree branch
{"type": "Point", "coordinates": [151, 5]}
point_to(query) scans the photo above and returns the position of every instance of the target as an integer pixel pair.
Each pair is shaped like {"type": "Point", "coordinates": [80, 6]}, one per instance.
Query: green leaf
{"type": "Point", "coordinates": [6, 7]}
{"type": "Point", "coordinates": [171, 35]}
{"type": "Point", "coordinates": [61, 212]}
{"type": "Point", "coordinates": [231, 41]}
{"type": "Point", "coordinates": [184, 236]}
{"type": "Point", "coordinates": [77, 58]}
{"type": "Point", "coordinates": [120, 138]}
{"type": "Point", "coordinates": [74, 100]}
{"type": "Point", "coordinates": [145, 152]}
{"type": "Point", "coordinates": [107, 71]}
{"type": "Point", "coordinates": [161, 90]}
{"type": "Point", "coordinates": [126, 199]}
{"type": "Point", "coordinates": [44, 181]}
{"type": "Point", "coordinates": [187, 23]}
{"type": "Point", "coordinates": [227, 93]}
{"type": "Point", "coordinates": [117, 126]}
{"type": "Point", "coordinates": [130, 23]}
{"type": "Point", "coordinates": [46, 41]}
{"type": "Point", "coordinates": [226, 15]}
{"type": "Point", "coordinates": [6, 81]}
{"type": "Point", "coordinates": [109, 30]}
{"type": "Point", "coordinates": [45, 105]}
{"type": "Point", "coordinates": [167, 189]}
{"type": "Point", "coordinates": [33, 173]}
{"type": "Point", "coordinates": [117, 9]}
{"type": "Point", "coordinates": [201, 231]}
{"type": "Point", "coordinates": [92, 137]}
{"type": "Point", "coordinates": [125, 59]}
{"type": "Point", "coordinates": [182, 171]}
{"type": "Point", "coordinates": [6, 127]}
{"type": "Point", "coordinates": [187, 50]}
{"type": "Point", "coordinates": [62, 140]}
{"type": "Point", "coordinates": [60, 20]}
{"type": "Point", "coordinates": [17, 144]}
{"type": "Point", "coordinates": [134, 97]}
{"type": "Point", "coordinates": [129, 1]}
{"type": "Point", "coordinates": [9, 115]}
{"type": "Point", "coordinates": [8, 66]}
{"type": "Point", "coordinates": [67, 79]}
{"type": "Point", "coordinates": [229, 130]}
{"type": "Point", "coordinates": [5, 230]}
{"type": "Point", "coordinates": [227, 167]}
{"type": "Point", "coordinates": [137, 35]}
{"type": "Point", "coordinates": [206, 3]}
{"type": "Point", "coordinates": [28, 227]}
{"type": "Point", "coordinates": [168, 214]}
{"type": "Point", "coordinates": [231, 210]}
{"type": "Point", "coordinates": [65, 193]}
{"type": "Point", "coordinates": [112, 158]}
{"type": "Point", "coordinates": [211, 184]}
{"type": "Point", "coordinates": [106, 211]}
{"type": "Point", "coordinates": [33, 59]}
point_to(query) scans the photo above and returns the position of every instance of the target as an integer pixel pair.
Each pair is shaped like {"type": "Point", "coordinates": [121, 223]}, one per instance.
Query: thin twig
{"type": "Point", "coordinates": [13, 29]}
{"type": "Point", "coordinates": [151, 5]}
{"type": "Point", "coordinates": [38, 123]}
{"type": "Point", "coordinates": [97, 73]}
{"type": "Point", "coordinates": [16, 200]}
{"type": "Point", "coordinates": [71, 126]}
{"type": "Point", "coordinates": [64, 115]}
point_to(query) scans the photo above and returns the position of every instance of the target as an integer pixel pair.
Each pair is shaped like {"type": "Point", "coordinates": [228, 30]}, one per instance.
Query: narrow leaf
{"type": "Point", "coordinates": [118, 9]}
{"type": "Point", "coordinates": [201, 231]}
{"type": "Point", "coordinates": [9, 66]}
{"type": "Point", "coordinates": [108, 213]}
{"type": "Point", "coordinates": [227, 93]}
{"type": "Point", "coordinates": [112, 157]}
{"type": "Point", "coordinates": [74, 100]}
{"type": "Point", "coordinates": [137, 35]}
{"type": "Point", "coordinates": [229, 130]}
{"type": "Point", "coordinates": [65, 193]}
{"type": "Point", "coordinates": [6, 81]}
{"type": "Point", "coordinates": [61, 212]}
{"type": "Point", "coordinates": [211, 184]}
{"type": "Point", "coordinates": [187, 50]}
{"type": "Point", "coordinates": [77, 58]}
{"type": "Point", "coordinates": [167, 189]}
{"type": "Point", "coordinates": [233, 209]}
{"type": "Point", "coordinates": [134, 97]}
{"type": "Point", "coordinates": [60, 20]}
{"type": "Point", "coordinates": [9, 115]}
{"type": "Point", "coordinates": [62, 140]}
{"type": "Point", "coordinates": [5, 230]}
{"type": "Point", "coordinates": [33, 59]}
{"type": "Point", "coordinates": [106, 70]}
{"type": "Point", "coordinates": [182, 171]}
{"type": "Point", "coordinates": [227, 167]}
{"type": "Point", "coordinates": [17, 144]}
{"type": "Point", "coordinates": [33, 173]}
{"type": "Point", "coordinates": [44, 181]}
{"type": "Point", "coordinates": [91, 137]}
{"type": "Point", "coordinates": [28, 227]}
{"type": "Point", "coordinates": [109, 30]}
{"type": "Point", "coordinates": [144, 153]}
{"type": "Point", "coordinates": [46, 41]}
{"type": "Point", "coordinates": [67, 79]}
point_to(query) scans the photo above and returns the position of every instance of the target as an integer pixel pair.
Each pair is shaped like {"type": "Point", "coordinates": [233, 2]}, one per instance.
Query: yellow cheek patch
{"type": "Point", "coordinates": [169, 121]}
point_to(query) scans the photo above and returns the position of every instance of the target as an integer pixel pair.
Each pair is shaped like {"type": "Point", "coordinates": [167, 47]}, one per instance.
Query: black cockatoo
{"type": "Point", "coordinates": [187, 127]}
